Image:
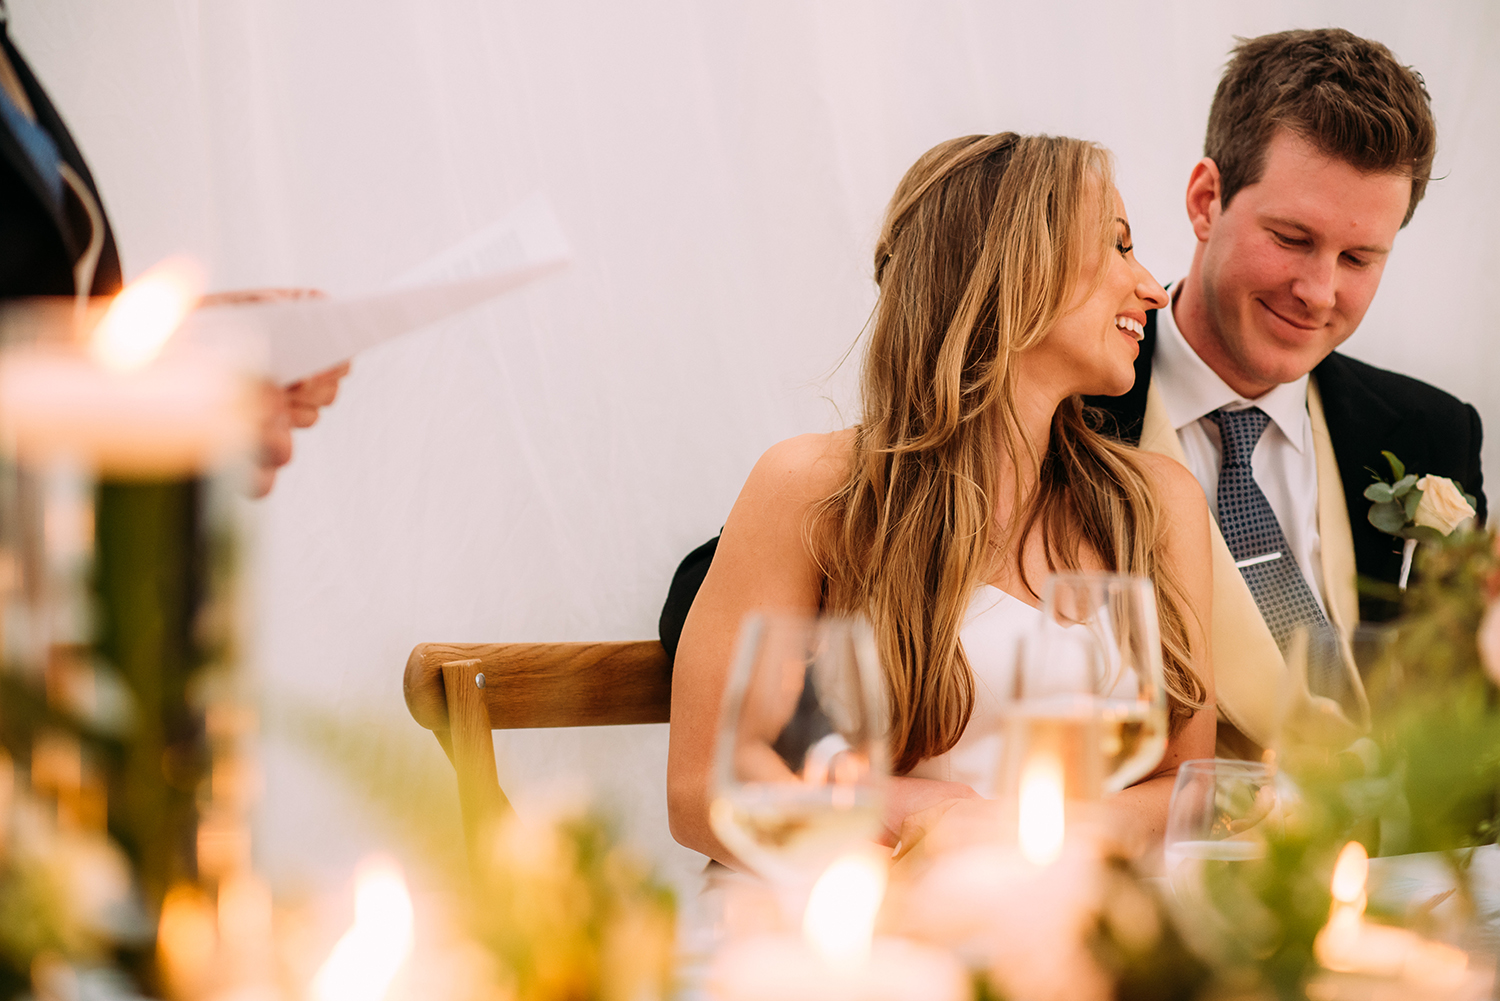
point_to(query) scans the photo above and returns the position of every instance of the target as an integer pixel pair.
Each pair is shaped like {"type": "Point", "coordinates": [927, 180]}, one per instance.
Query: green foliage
{"type": "Point", "coordinates": [1398, 468]}
{"type": "Point", "coordinates": [570, 915]}
{"type": "Point", "coordinates": [1395, 503]}
{"type": "Point", "coordinates": [1424, 780]}
{"type": "Point", "coordinates": [1137, 943]}
{"type": "Point", "coordinates": [566, 911]}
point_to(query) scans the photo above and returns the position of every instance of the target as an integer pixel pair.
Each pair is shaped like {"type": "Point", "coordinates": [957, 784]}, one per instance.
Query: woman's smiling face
{"type": "Point", "coordinates": [1092, 348]}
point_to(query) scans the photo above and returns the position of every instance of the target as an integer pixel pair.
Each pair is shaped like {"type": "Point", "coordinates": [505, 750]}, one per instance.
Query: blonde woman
{"type": "Point", "coordinates": [1008, 290]}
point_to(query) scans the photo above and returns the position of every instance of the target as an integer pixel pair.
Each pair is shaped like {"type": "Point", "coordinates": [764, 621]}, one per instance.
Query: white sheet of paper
{"type": "Point", "coordinates": [294, 339]}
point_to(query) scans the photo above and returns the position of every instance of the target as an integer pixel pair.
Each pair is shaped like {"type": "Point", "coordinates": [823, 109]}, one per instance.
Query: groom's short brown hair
{"type": "Point", "coordinates": [1346, 95]}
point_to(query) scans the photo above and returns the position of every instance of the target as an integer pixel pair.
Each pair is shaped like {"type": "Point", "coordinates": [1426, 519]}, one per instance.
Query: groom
{"type": "Point", "coordinates": [1318, 150]}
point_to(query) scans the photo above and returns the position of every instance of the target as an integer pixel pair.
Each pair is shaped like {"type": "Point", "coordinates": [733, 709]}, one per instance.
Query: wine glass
{"type": "Point", "coordinates": [801, 760]}
{"type": "Point", "coordinates": [1099, 646]}
{"type": "Point", "coordinates": [1221, 811]}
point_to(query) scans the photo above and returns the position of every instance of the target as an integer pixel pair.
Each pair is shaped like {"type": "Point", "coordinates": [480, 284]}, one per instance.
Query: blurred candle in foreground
{"type": "Point", "coordinates": [125, 406]}
{"type": "Point", "coordinates": [1349, 944]}
{"type": "Point", "coordinates": [1042, 826]}
{"type": "Point", "coordinates": [124, 536]}
{"type": "Point", "coordinates": [837, 959]}
{"type": "Point", "coordinates": [840, 919]}
{"type": "Point", "coordinates": [366, 960]}
{"type": "Point", "coordinates": [145, 314]}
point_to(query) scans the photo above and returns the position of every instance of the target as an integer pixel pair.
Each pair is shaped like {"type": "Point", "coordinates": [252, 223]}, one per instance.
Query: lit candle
{"type": "Point", "coordinates": [122, 406]}
{"type": "Point", "coordinates": [1349, 944]}
{"type": "Point", "coordinates": [365, 961]}
{"type": "Point", "coordinates": [1041, 829]}
{"type": "Point", "coordinates": [838, 958]}
{"type": "Point", "coordinates": [1022, 910]}
{"type": "Point", "coordinates": [129, 550]}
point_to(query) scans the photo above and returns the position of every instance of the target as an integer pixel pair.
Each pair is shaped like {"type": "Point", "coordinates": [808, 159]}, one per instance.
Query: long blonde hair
{"type": "Point", "coordinates": [976, 262]}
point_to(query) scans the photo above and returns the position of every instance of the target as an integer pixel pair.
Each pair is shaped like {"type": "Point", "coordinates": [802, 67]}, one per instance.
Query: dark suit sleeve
{"type": "Point", "coordinates": [685, 584]}
{"type": "Point", "coordinates": [1474, 481]}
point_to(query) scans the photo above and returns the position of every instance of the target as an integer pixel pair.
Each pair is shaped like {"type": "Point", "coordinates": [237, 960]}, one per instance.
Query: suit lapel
{"type": "Point", "coordinates": [1335, 542]}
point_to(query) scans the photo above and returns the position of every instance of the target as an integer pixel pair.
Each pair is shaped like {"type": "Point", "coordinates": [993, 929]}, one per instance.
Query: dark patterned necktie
{"type": "Point", "coordinates": [1265, 560]}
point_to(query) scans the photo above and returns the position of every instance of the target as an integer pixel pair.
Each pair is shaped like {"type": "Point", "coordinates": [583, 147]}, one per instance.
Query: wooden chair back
{"type": "Point", "coordinates": [462, 691]}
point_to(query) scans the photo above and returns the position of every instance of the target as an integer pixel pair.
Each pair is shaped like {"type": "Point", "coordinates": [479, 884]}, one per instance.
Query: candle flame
{"type": "Point", "coordinates": [145, 314]}
{"type": "Point", "coordinates": [1350, 873]}
{"type": "Point", "coordinates": [1042, 818]}
{"type": "Point", "coordinates": [365, 961]}
{"type": "Point", "coordinates": [839, 922]}
{"type": "Point", "coordinates": [187, 939]}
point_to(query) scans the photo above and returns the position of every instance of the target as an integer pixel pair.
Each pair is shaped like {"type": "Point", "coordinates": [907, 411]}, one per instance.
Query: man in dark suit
{"type": "Point", "coordinates": [1318, 150]}
{"type": "Point", "coordinates": [55, 240]}
{"type": "Point", "coordinates": [53, 231]}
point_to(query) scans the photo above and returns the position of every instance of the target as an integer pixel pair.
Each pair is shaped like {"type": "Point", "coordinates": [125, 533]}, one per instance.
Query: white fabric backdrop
{"type": "Point", "coordinates": [534, 471]}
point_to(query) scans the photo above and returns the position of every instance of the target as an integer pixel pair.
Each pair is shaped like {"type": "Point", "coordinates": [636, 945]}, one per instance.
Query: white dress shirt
{"type": "Point", "coordinates": [1284, 462]}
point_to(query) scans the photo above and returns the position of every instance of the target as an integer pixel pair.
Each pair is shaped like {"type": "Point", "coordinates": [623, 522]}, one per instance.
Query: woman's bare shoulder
{"type": "Point", "coordinates": [1174, 484]}
{"type": "Point", "coordinates": [806, 468]}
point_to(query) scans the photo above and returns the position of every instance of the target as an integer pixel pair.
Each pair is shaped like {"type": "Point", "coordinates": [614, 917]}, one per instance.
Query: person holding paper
{"type": "Point", "coordinates": [56, 240]}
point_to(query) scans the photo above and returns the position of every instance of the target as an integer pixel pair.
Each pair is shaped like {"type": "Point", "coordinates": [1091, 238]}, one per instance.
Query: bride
{"type": "Point", "coordinates": [1008, 290]}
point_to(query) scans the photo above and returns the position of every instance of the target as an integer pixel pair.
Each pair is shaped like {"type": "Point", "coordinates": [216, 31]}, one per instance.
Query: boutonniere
{"type": "Point", "coordinates": [1417, 509]}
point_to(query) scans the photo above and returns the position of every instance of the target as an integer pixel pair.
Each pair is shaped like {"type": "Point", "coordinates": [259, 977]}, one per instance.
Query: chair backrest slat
{"type": "Point", "coordinates": [548, 684]}
{"type": "Point", "coordinates": [526, 685]}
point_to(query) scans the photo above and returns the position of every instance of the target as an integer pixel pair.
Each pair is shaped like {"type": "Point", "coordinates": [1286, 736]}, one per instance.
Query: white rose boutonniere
{"type": "Point", "coordinates": [1427, 508]}
{"type": "Point", "coordinates": [1443, 506]}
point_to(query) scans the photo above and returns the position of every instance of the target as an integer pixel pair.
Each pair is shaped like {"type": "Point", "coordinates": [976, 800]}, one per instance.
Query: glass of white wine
{"type": "Point", "coordinates": [801, 761]}
{"type": "Point", "coordinates": [1099, 645]}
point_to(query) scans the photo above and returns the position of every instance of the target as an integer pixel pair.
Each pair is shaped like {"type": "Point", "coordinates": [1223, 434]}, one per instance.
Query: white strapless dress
{"type": "Point", "coordinates": [991, 637]}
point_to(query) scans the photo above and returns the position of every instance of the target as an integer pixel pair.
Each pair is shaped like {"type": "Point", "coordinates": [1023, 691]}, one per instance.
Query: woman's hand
{"type": "Point", "coordinates": [913, 806]}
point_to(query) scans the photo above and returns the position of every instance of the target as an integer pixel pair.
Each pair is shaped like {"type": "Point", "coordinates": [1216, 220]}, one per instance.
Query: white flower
{"type": "Point", "coordinates": [1442, 506]}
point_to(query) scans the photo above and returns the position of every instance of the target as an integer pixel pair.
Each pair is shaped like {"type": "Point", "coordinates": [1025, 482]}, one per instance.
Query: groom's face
{"type": "Point", "coordinates": [1290, 267]}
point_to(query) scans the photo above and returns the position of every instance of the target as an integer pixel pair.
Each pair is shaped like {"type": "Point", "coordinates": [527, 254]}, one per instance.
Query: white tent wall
{"type": "Point", "coordinates": [534, 470]}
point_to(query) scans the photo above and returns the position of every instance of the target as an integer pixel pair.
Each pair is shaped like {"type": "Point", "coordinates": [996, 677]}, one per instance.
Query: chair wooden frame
{"type": "Point", "coordinates": [462, 691]}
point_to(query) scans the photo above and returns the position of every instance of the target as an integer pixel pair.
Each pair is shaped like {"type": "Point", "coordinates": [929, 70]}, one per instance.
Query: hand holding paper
{"type": "Point", "coordinates": [291, 340]}
{"type": "Point", "coordinates": [302, 340]}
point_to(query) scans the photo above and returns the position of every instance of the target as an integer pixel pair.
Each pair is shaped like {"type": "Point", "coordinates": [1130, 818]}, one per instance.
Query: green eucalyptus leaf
{"type": "Point", "coordinates": [1404, 484]}
{"type": "Point", "coordinates": [1411, 500]}
{"type": "Point", "coordinates": [1380, 493]}
{"type": "Point", "coordinates": [1472, 502]}
{"type": "Point", "coordinates": [1398, 468]}
{"type": "Point", "coordinates": [1422, 533]}
{"type": "Point", "coordinates": [1389, 517]}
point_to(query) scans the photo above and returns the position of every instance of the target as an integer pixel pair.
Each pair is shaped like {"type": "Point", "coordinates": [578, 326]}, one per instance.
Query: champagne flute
{"type": "Point", "coordinates": [801, 761]}
{"type": "Point", "coordinates": [1100, 638]}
